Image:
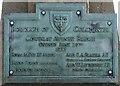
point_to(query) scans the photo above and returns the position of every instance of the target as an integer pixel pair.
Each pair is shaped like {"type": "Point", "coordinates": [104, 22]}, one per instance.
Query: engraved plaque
{"type": "Point", "coordinates": [60, 43]}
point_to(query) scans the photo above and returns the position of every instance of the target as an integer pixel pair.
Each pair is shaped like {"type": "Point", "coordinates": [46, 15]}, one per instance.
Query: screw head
{"type": "Point", "coordinates": [110, 72]}
{"type": "Point", "coordinates": [109, 23]}
{"type": "Point", "coordinates": [11, 23]}
{"type": "Point", "coordinates": [78, 12]}
{"type": "Point", "coordinates": [11, 72]}
{"type": "Point", "coordinates": [76, 28]}
{"type": "Point", "coordinates": [43, 12]}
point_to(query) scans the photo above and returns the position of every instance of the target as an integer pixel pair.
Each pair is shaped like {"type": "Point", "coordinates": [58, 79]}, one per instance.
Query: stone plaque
{"type": "Point", "coordinates": [60, 43]}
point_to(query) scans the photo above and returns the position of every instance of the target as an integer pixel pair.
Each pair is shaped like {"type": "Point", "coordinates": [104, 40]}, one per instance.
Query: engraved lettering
{"type": "Point", "coordinates": [91, 29]}
{"type": "Point", "coordinates": [25, 29]}
{"type": "Point", "coordinates": [47, 44]}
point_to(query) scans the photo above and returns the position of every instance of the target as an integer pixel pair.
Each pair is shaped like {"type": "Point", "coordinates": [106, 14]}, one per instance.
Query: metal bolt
{"type": "Point", "coordinates": [11, 72]}
{"type": "Point", "coordinates": [43, 12]}
{"type": "Point", "coordinates": [76, 28]}
{"type": "Point", "coordinates": [11, 23]}
{"type": "Point", "coordinates": [109, 23]}
{"type": "Point", "coordinates": [78, 12]}
{"type": "Point", "coordinates": [110, 72]}
{"type": "Point", "coordinates": [94, 23]}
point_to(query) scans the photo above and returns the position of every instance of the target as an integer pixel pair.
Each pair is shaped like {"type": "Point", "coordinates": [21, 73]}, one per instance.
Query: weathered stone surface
{"type": "Point", "coordinates": [100, 7]}
{"type": "Point", "coordinates": [14, 7]}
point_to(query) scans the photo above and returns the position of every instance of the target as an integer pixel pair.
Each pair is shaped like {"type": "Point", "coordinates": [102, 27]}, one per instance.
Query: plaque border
{"type": "Point", "coordinates": [57, 79]}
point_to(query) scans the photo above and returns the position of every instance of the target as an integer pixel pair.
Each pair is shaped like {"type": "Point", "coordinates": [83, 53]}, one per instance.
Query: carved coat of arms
{"type": "Point", "coordinates": [60, 22]}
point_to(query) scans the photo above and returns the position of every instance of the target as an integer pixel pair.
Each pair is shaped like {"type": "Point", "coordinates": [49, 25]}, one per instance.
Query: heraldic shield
{"type": "Point", "coordinates": [60, 21]}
